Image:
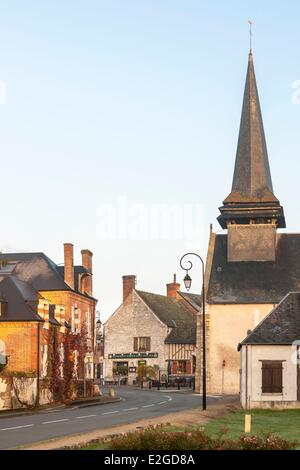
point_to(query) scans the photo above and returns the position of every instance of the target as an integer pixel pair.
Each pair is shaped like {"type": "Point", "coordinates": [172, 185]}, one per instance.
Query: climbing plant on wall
{"type": "Point", "coordinates": [54, 376]}
{"type": "Point", "coordinates": [74, 345]}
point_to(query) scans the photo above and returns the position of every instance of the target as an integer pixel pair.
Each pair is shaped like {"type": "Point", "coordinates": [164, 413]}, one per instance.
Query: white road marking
{"type": "Point", "coordinates": [129, 409]}
{"type": "Point", "coordinates": [86, 416]}
{"type": "Point", "coordinates": [161, 402]}
{"type": "Point", "coordinates": [17, 427]}
{"type": "Point", "coordinates": [55, 421]}
{"type": "Point", "coordinates": [169, 398]}
{"type": "Point", "coordinates": [110, 412]}
{"type": "Point", "coordinates": [147, 406]}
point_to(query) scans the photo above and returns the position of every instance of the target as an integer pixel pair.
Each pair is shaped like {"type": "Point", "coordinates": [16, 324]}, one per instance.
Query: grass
{"type": "Point", "coordinates": [95, 446]}
{"type": "Point", "coordinates": [283, 423]}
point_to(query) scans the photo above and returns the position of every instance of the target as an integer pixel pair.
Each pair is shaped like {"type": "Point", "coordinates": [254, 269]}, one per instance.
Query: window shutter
{"type": "Point", "coordinates": [271, 377]}
{"type": "Point", "coordinates": [188, 367]}
{"type": "Point", "coordinates": [135, 344]}
{"type": "Point", "coordinates": [277, 379]}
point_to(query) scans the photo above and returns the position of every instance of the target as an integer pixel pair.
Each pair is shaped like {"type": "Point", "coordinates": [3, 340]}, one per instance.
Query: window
{"type": "Point", "coordinates": [3, 308]}
{"type": "Point", "coordinates": [271, 376]}
{"type": "Point", "coordinates": [142, 343]}
{"type": "Point", "coordinates": [181, 367]}
{"type": "Point", "coordinates": [88, 323]}
{"type": "Point", "coordinates": [72, 319]}
{"type": "Point", "coordinates": [75, 319]}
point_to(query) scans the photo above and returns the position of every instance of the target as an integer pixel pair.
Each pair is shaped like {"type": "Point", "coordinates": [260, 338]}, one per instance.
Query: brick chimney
{"type": "Point", "coordinates": [87, 263]}
{"type": "Point", "coordinates": [69, 264]}
{"type": "Point", "coordinates": [173, 288]}
{"type": "Point", "coordinates": [129, 282]}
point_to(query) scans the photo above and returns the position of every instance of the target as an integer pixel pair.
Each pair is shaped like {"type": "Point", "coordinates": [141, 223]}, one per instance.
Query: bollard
{"type": "Point", "coordinates": [247, 423]}
{"type": "Point", "coordinates": [111, 393]}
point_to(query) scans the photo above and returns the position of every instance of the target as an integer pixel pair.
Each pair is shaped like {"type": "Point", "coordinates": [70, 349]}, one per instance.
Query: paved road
{"type": "Point", "coordinates": [137, 404]}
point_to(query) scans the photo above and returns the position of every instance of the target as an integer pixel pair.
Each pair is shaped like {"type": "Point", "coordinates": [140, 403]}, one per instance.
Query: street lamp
{"type": "Point", "coordinates": [187, 282]}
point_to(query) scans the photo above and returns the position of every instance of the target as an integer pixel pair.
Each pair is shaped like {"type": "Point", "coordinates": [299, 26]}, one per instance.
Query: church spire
{"type": "Point", "coordinates": [251, 199]}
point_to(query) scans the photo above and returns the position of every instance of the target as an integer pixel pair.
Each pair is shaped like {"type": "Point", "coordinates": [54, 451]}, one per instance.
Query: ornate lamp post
{"type": "Point", "coordinates": [187, 282]}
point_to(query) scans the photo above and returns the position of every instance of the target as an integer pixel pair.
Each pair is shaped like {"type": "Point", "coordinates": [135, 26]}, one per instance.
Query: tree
{"type": "Point", "coordinates": [145, 372]}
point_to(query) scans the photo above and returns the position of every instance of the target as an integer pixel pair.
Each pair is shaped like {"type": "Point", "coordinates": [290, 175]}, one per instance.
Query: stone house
{"type": "Point", "coordinates": [152, 329]}
{"type": "Point", "coordinates": [44, 308]}
{"type": "Point", "coordinates": [270, 370]}
{"type": "Point", "coordinates": [251, 266]}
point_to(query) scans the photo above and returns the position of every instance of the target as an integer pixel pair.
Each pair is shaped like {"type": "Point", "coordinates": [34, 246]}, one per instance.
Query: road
{"type": "Point", "coordinates": [136, 405]}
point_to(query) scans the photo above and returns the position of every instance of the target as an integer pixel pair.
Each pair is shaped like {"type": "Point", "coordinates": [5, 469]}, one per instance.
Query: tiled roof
{"type": "Point", "coordinates": [194, 299]}
{"type": "Point", "coordinates": [39, 271]}
{"type": "Point", "coordinates": [173, 313]}
{"type": "Point", "coordinates": [255, 282]}
{"type": "Point", "coordinates": [21, 300]}
{"type": "Point", "coordinates": [36, 269]}
{"type": "Point", "coordinates": [281, 326]}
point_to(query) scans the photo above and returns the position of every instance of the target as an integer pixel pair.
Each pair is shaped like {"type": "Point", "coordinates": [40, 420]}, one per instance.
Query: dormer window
{"type": "Point", "coordinates": [3, 308]}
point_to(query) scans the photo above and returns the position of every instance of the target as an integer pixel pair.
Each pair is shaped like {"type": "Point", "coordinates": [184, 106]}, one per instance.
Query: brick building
{"type": "Point", "coordinates": [42, 303]}
{"type": "Point", "coordinates": [152, 329]}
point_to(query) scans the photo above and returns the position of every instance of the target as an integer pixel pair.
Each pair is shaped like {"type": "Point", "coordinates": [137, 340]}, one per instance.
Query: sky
{"type": "Point", "coordinates": [119, 122]}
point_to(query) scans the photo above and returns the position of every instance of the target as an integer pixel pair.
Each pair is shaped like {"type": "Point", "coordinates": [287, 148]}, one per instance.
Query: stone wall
{"type": "Point", "coordinates": [17, 392]}
{"type": "Point", "coordinates": [133, 319]}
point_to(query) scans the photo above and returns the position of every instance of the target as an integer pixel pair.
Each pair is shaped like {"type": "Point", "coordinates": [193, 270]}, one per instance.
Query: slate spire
{"type": "Point", "coordinates": [252, 183]}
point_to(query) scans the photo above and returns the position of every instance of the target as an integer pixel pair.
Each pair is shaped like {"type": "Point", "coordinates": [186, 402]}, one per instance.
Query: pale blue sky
{"type": "Point", "coordinates": [141, 100]}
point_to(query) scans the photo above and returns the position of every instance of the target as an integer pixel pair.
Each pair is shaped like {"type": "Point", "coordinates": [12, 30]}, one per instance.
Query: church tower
{"type": "Point", "coordinates": [251, 213]}
{"type": "Point", "coordinates": [252, 266]}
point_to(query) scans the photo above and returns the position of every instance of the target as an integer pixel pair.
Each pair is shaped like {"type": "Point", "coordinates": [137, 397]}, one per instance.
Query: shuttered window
{"type": "Point", "coordinates": [271, 376]}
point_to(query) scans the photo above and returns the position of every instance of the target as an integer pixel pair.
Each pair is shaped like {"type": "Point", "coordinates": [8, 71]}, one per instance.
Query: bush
{"type": "Point", "coordinates": [157, 439]}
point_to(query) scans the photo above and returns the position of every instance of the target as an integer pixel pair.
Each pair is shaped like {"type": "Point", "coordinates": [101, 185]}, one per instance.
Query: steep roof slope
{"type": "Point", "coordinates": [37, 269]}
{"type": "Point", "coordinates": [21, 300]}
{"type": "Point", "coordinates": [255, 282]}
{"type": "Point", "coordinates": [173, 313]}
{"type": "Point", "coordinates": [281, 326]}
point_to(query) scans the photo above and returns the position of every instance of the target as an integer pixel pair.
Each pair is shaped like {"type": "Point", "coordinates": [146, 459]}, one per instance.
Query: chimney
{"type": "Point", "coordinates": [128, 285]}
{"type": "Point", "coordinates": [87, 263]}
{"type": "Point", "coordinates": [69, 265]}
{"type": "Point", "coordinates": [173, 288]}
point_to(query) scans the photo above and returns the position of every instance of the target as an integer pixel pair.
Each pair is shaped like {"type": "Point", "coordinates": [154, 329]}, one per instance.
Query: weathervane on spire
{"type": "Point", "coordinates": [250, 33]}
